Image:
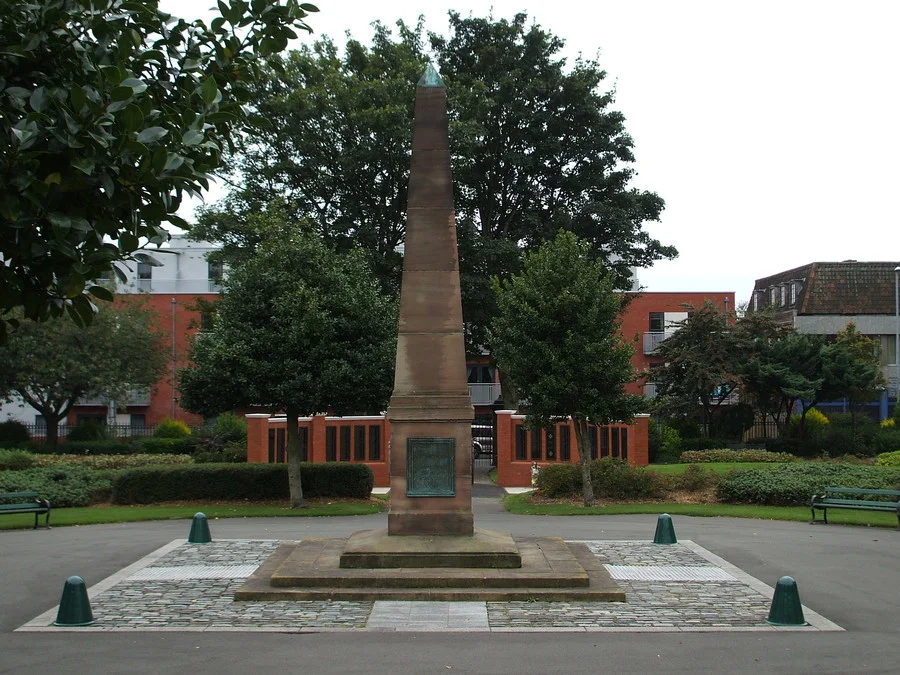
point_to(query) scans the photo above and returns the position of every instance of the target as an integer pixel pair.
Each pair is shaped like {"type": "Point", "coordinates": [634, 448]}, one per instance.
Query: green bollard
{"type": "Point", "coordinates": [199, 530]}
{"type": "Point", "coordinates": [665, 531]}
{"type": "Point", "coordinates": [786, 608]}
{"type": "Point", "coordinates": [74, 607]}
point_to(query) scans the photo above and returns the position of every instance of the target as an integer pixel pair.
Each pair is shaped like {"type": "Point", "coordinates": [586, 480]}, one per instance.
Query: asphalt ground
{"type": "Point", "coordinates": [849, 575]}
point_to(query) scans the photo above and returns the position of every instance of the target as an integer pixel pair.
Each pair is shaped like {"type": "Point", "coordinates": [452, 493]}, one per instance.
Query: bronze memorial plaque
{"type": "Point", "coordinates": [430, 467]}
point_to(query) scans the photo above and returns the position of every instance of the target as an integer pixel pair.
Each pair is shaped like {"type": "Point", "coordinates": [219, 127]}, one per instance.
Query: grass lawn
{"type": "Point", "coordinates": [92, 515]}
{"type": "Point", "coordinates": [521, 504]}
{"type": "Point", "coordinates": [715, 467]}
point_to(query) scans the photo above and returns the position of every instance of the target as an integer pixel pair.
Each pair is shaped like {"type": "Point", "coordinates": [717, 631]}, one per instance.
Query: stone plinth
{"type": "Point", "coordinates": [376, 549]}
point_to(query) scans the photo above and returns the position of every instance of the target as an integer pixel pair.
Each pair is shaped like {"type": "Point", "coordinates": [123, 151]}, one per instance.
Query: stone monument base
{"type": "Point", "coordinates": [376, 549]}
{"type": "Point", "coordinates": [551, 570]}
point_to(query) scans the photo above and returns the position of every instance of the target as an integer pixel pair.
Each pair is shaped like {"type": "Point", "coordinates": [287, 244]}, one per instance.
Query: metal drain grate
{"type": "Point", "coordinates": [186, 572]}
{"type": "Point", "coordinates": [667, 573]}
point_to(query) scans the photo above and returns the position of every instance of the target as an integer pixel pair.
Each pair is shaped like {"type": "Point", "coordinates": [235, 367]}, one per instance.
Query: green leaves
{"type": "Point", "coordinates": [104, 103]}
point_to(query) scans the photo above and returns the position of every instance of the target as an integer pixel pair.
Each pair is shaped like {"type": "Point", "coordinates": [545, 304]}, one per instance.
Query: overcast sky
{"type": "Point", "coordinates": [770, 128]}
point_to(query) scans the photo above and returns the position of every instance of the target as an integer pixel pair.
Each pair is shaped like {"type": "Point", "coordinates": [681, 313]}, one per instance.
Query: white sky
{"type": "Point", "coordinates": [770, 128]}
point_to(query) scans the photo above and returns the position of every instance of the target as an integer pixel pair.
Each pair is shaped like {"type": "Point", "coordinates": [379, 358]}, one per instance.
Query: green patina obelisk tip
{"type": "Point", "coordinates": [430, 78]}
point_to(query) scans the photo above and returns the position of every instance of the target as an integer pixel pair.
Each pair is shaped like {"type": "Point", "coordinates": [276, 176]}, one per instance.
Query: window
{"type": "Point", "coordinates": [206, 320]}
{"type": "Point", "coordinates": [521, 439]}
{"type": "Point", "coordinates": [138, 421]}
{"type": "Point", "coordinates": [331, 444]}
{"type": "Point", "coordinates": [144, 271]}
{"type": "Point", "coordinates": [345, 443]}
{"type": "Point", "coordinates": [214, 272]}
{"type": "Point", "coordinates": [657, 322]}
{"type": "Point", "coordinates": [374, 443]}
{"type": "Point", "coordinates": [536, 444]}
{"type": "Point", "coordinates": [783, 294]}
{"type": "Point", "coordinates": [794, 289]}
{"type": "Point", "coordinates": [565, 443]}
{"type": "Point", "coordinates": [359, 443]}
{"type": "Point", "coordinates": [773, 296]}
{"type": "Point", "coordinates": [479, 374]}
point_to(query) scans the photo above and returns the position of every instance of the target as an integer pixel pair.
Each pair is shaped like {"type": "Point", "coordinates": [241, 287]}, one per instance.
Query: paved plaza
{"type": "Point", "coordinates": [190, 587]}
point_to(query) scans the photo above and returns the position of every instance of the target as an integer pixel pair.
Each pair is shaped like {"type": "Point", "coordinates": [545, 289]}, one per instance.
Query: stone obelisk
{"type": "Point", "coordinates": [430, 410]}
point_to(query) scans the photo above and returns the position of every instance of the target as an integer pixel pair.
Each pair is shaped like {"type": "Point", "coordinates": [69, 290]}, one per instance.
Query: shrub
{"type": "Point", "coordinates": [16, 460]}
{"type": "Point", "coordinates": [889, 423]}
{"type": "Point", "coordinates": [228, 428]}
{"type": "Point", "coordinates": [886, 440]}
{"type": "Point", "coordinates": [702, 456]}
{"type": "Point", "coordinates": [255, 482]}
{"type": "Point", "coordinates": [62, 486]}
{"type": "Point", "coordinates": [111, 462]}
{"type": "Point", "coordinates": [704, 443]}
{"type": "Point", "coordinates": [559, 480]}
{"type": "Point", "coordinates": [617, 479]}
{"type": "Point", "coordinates": [233, 453]}
{"type": "Point", "coordinates": [90, 430]}
{"type": "Point", "coordinates": [169, 428]}
{"type": "Point", "coordinates": [664, 441]}
{"type": "Point", "coordinates": [107, 447]}
{"type": "Point", "coordinates": [13, 432]}
{"type": "Point", "coordinates": [889, 459]}
{"type": "Point", "coordinates": [694, 478]}
{"type": "Point", "coordinates": [182, 446]}
{"type": "Point", "coordinates": [794, 484]}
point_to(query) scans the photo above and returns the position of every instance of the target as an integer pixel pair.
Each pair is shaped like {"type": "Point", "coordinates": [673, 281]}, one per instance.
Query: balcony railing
{"type": "Point", "coordinates": [652, 340]}
{"type": "Point", "coordinates": [650, 390]}
{"type": "Point", "coordinates": [177, 285]}
{"type": "Point", "coordinates": [484, 393]}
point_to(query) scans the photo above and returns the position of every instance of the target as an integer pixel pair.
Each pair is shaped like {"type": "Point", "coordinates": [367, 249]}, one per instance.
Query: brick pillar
{"type": "Point", "coordinates": [317, 438]}
{"type": "Point", "coordinates": [639, 441]}
{"type": "Point", "coordinates": [258, 438]}
{"type": "Point", "coordinates": [505, 447]}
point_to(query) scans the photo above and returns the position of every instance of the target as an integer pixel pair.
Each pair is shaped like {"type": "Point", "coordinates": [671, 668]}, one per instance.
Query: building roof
{"type": "Point", "coordinates": [848, 287]}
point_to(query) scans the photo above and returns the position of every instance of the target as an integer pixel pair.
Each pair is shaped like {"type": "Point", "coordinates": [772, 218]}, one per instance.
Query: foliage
{"type": "Point", "coordinates": [13, 432]}
{"type": "Point", "coordinates": [794, 484]}
{"type": "Point", "coordinates": [693, 479]}
{"type": "Point", "coordinates": [559, 480]}
{"type": "Point", "coordinates": [617, 479]}
{"type": "Point", "coordinates": [556, 337]}
{"type": "Point", "coordinates": [16, 460]}
{"type": "Point", "coordinates": [535, 147]}
{"type": "Point", "coordinates": [89, 430]}
{"type": "Point", "coordinates": [699, 363]}
{"type": "Point", "coordinates": [185, 445]}
{"type": "Point", "coordinates": [664, 441]}
{"type": "Point", "coordinates": [889, 422]}
{"type": "Point", "coordinates": [891, 459]}
{"type": "Point", "coordinates": [885, 440]}
{"type": "Point", "coordinates": [231, 452]}
{"type": "Point", "coordinates": [110, 112]}
{"type": "Point", "coordinates": [256, 482]}
{"type": "Point", "coordinates": [300, 328]}
{"type": "Point", "coordinates": [111, 462]}
{"type": "Point", "coordinates": [62, 485]}
{"type": "Point", "coordinates": [53, 364]}
{"type": "Point", "coordinates": [228, 430]}
{"type": "Point", "coordinates": [169, 428]}
{"type": "Point", "coordinates": [700, 456]}
{"type": "Point", "coordinates": [814, 418]}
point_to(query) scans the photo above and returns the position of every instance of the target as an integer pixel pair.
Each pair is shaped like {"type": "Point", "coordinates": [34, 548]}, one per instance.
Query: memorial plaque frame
{"type": "Point", "coordinates": [431, 467]}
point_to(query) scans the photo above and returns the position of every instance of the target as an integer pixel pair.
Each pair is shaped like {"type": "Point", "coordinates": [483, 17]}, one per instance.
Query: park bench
{"type": "Point", "coordinates": [25, 502]}
{"type": "Point", "coordinates": [855, 498]}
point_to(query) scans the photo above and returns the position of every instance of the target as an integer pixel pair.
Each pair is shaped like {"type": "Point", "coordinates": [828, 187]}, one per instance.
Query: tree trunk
{"type": "Point", "coordinates": [584, 458]}
{"type": "Point", "coordinates": [293, 450]}
{"type": "Point", "coordinates": [52, 431]}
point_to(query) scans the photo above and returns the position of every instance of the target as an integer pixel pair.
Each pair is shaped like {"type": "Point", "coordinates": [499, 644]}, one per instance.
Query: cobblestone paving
{"type": "Point", "coordinates": [206, 604]}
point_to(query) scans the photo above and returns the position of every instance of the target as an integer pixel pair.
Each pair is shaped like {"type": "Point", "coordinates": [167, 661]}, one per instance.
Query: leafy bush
{"type": "Point", "coordinates": [15, 460]}
{"type": "Point", "coordinates": [559, 480]}
{"type": "Point", "coordinates": [182, 446]}
{"type": "Point", "coordinates": [62, 486]}
{"type": "Point", "coordinates": [815, 418]}
{"type": "Point", "coordinates": [111, 462]}
{"type": "Point", "coordinates": [889, 459]}
{"type": "Point", "coordinates": [694, 478]}
{"type": "Point", "coordinates": [886, 440]}
{"type": "Point", "coordinates": [794, 484]}
{"type": "Point", "coordinates": [701, 456]}
{"type": "Point", "coordinates": [664, 441]}
{"type": "Point", "coordinates": [227, 429]}
{"type": "Point", "coordinates": [90, 430]}
{"type": "Point", "coordinates": [704, 443]}
{"type": "Point", "coordinates": [108, 447]}
{"type": "Point", "coordinates": [13, 432]}
{"type": "Point", "coordinates": [889, 423]}
{"type": "Point", "coordinates": [233, 453]}
{"type": "Point", "coordinates": [169, 428]}
{"type": "Point", "coordinates": [255, 482]}
{"type": "Point", "coordinates": [617, 479]}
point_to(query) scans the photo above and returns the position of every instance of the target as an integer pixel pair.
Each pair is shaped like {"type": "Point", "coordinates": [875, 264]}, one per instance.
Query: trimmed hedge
{"type": "Point", "coordinates": [254, 482]}
{"type": "Point", "coordinates": [795, 484]}
{"type": "Point", "coordinates": [610, 478]}
{"type": "Point", "coordinates": [62, 486]}
{"type": "Point", "coordinates": [111, 462]}
{"type": "Point", "coordinates": [701, 456]}
{"type": "Point", "coordinates": [131, 446]}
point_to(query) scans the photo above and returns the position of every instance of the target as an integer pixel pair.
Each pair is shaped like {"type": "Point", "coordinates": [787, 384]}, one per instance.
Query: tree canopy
{"type": "Point", "coordinates": [557, 339]}
{"type": "Point", "coordinates": [53, 364]}
{"type": "Point", "coordinates": [111, 112]}
{"type": "Point", "coordinates": [299, 328]}
{"type": "Point", "coordinates": [535, 146]}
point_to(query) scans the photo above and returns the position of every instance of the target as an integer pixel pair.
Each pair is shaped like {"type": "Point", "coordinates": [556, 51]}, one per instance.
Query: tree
{"type": "Point", "coordinates": [299, 328]}
{"type": "Point", "coordinates": [535, 147]}
{"type": "Point", "coordinates": [53, 364]}
{"type": "Point", "coordinates": [852, 365]}
{"type": "Point", "coordinates": [700, 363]}
{"type": "Point", "coordinates": [110, 112]}
{"type": "Point", "coordinates": [557, 338]}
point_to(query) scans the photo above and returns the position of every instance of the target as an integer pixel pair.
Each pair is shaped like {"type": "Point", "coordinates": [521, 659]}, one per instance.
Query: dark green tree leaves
{"type": "Point", "coordinates": [110, 113]}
